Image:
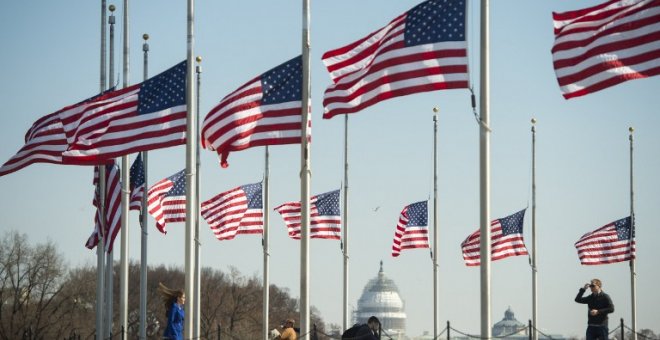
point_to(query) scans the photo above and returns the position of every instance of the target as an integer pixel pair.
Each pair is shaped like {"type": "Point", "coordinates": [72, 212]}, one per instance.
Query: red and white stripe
{"type": "Point", "coordinates": [605, 45]}
{"type": "Point", "coordinates": [136, 198]}
{"type": "Point", "coordinates": [165, 209]}
{"type": "Point", "coordinates": [408, 237]}
{"type": "Point", "coordinates": [109, 126]}
{"type": "Point", "coordinates": [602, 246]}
{"type": "Point", "coordinates": [44, 143]}
{"type": "Point", "coordinates": [228, 215]}
{"type": "Point", "coordinates": [380, 67]}
{"type": "Point", "coordinates": [327, 227]}
{"type": "Point", "coordinates": [501, 246]}
{"type": "Point", "coordinates": [113, 210]}
{"type": "Point", "coordinates": [240, 121]}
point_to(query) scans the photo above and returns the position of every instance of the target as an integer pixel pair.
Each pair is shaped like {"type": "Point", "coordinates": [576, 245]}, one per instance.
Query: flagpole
{"type": "Point", "coordinates": [99, 247]}
{"type": "Point", "coordinates": [198, 244]}
{"type": "Point", "coordinates": [191, 204]}
{"type": "Point", "coordinates": [266, 289]}
{"type": "Point", "coordinates": [143, 217]}
{"type": "Point", "coordinates": [534, 268]}
{"type": "Point", "coordinates": [484, 162]}
{"type": "Point", "coordinates": [125, 198]}
{"type": "Point", "coordinates": [633, 274]}
{"type": "Point", "coordinates": [305, 176]}
{"type": "Point", "coordinates": [345, 243]}
{"type": "Point", "coordinates": [109, 262]}
{"type": "Point", "coordinates": [436, 238]}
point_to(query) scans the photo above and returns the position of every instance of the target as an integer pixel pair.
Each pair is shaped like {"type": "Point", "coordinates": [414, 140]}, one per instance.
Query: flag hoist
{"type": "Point", "coordinates": [109, 262]}
{"type": "Point", "coordinates": [534, 331]}
{"type": "Point", "coordinates": [125, 196]}
{"type": "Point", "coordinates": [99, 250]}
{"type": "Point", "coordinates": [144, 216]}
{"type": "Point", "coordinates": [633, 279]}
{"type": "Point", "coordinates": [305, 175]}
{"type": "Point", "coordinates": [484, 167]}
{"type": "Point", "coordinates": [191, 175]}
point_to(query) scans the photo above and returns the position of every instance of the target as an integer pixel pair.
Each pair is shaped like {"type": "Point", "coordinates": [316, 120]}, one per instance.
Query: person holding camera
{"type": "Point", "coordinates": [599, 305]}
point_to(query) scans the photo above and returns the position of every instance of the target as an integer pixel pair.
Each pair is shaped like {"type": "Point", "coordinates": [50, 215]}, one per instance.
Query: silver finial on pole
{"type": "Point", "coordinates": [534, 331]}
{"type": "Point", "coordinates": [633, 273]}
{"type": "Point", "coordinates": [436, 237]}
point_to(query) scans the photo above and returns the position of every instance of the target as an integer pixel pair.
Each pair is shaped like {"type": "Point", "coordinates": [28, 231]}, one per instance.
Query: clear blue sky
{"type": "Point", "coordinates": [50, 58]}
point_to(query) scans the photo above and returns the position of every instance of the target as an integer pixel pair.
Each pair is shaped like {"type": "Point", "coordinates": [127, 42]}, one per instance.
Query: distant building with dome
{"type": "Point", "coordinates": [380, 298]}
{"type": "Point", "coordinates": [509, 325]}
{"type": "Point", "coordinates": [508, 328]}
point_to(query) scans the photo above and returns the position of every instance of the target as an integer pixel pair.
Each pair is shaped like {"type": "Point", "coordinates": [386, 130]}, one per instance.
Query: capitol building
{"type": "Point", "coordinates": [380, 298]}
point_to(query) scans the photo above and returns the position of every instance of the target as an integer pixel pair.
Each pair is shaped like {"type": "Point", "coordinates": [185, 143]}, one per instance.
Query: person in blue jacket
{"type": "Point", "coordinates": [174, 301]}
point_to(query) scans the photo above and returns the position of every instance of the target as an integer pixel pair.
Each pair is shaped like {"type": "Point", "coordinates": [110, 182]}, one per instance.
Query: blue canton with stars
{"type": "Point", "coordinates": [137, 172]}
{"type": "Point", "coordinates": [328, 204]}
{"type": "Point", "coordinates": [513, 224]}
{"type": "Point", "coordinates": [418, 215]}
{"type": "Point", "coordinates": [283, 83]}
{"type": "Point", "coordinates": [435, 21]}
{"type": "Point", "coordinates": [253, 194]}
{"type": "Point", "coordinates": [623, 228]}
{"type": "Point", "coordinates": [179, 184]}
{"type": "Point", "coordinates": [163, 91]}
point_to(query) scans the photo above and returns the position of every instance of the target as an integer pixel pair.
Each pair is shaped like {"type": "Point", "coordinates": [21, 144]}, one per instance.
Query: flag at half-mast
{"type": "Point", "coordinates": [506, 236]}
{"type": "Point", "coordinates": [605, 45]}
{"type": "Point", "coordinates": [613, 242]}
{"type": "Point", "coordinates": [112, 208]}
{"type": "Point", "coordinates": [146, 116]}
{"type": "Point", "coordinates": [137, 184]}
{"type": "Point", "coordinates": [267, 110]}
{"type": "Point", "coordinates": [45, 141]}
{"type": "Point", "coordinates": [421, 50]}
{"type": "Point", "coordinates": [235, 212]}
{"type": "Point", "coordinates": [166, 200]}
{"type": "Point", "coordinates": [325, 217]}
{"type": "Point", "coordinates": [412, 230]}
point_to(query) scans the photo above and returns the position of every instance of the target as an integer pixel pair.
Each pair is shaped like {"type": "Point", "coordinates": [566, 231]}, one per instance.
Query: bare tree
{"type": "Point", "coordinates": [30, 282]}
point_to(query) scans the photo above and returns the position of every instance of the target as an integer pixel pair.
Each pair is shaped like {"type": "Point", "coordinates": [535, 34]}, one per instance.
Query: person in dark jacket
{"type": "Point", "coordinates": [599, 305]}
{"type": "Point", "coordinates": [370, 330]}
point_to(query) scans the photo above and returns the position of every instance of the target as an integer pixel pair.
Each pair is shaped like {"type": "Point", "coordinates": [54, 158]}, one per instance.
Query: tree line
{"type": "Point", "coordinates": [42, 298]}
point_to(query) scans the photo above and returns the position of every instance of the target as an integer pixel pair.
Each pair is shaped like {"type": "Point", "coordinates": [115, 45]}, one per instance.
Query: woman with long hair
{"type": "Point", "coordinates": [173, 300]}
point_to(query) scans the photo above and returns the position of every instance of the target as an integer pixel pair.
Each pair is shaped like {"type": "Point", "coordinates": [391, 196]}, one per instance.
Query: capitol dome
{"type": "Point", "coordinates": [381, 299]}
{"type": "Point", "coordinates": [508, 325]}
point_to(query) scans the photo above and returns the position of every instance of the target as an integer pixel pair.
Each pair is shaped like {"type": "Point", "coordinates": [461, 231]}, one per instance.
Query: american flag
{"type": "Point", "coordinates": [604, 45]}
{"type": "Point", "coordinates": [412, 230]}
{"type": "Point", "coordinates": [150, 115]}
{"type": "Point", "coordinates": [45, 141]}
{"type": "Point", "coordinates": [234, 212]}
{"type": "Point", "coordinates": [422, 50]}
{"type": "Point", "coordinates": [325, 217]}
{"type": "Point", "coordinates": [137, 184]}
{"type": "Point", "coordinates": [613, 242]}
{"type": "Point", "coordinates": [506, 235]}
{"type": "Point", "coordinates": [267, 110]}
{"type": "Point", "coordinates": [112, 208]}
{"type": "Point", "coordinates": [166, 200]}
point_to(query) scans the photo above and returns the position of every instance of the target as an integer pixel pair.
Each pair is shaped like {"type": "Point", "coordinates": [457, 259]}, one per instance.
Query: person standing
{"type": "Point", "coordinates": [174, 301]}
{"type": "Point", "coordinates": [599, 305]}
{"type": "Point", "coordinates": [289, 333]}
